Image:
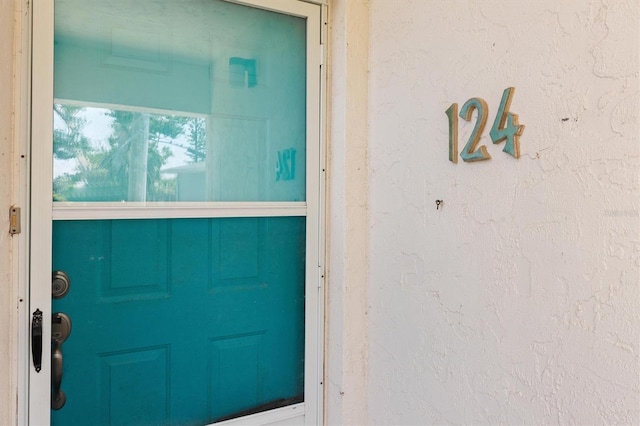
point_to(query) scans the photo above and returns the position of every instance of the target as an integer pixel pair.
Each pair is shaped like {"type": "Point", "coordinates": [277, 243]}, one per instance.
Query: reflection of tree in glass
{"type": "Point", "coordinates": [198, 139]}
{"type": "Point", "coordinates": [129, 167]}
{"type": "Point", "coordinates": [67, 143]}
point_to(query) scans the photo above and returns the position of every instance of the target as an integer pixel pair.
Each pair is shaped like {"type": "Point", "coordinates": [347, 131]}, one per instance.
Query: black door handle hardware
{"type": "Point", "coordinates": [36, 339]}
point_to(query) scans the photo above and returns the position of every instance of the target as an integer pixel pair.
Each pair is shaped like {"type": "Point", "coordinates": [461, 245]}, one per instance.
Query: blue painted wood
{"type": "Point", "coordinates": [180, 321]}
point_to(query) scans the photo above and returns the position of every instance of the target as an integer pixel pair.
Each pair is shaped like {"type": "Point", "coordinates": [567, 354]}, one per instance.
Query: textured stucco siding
{"type": "Point", "coordinates": [517, 301]}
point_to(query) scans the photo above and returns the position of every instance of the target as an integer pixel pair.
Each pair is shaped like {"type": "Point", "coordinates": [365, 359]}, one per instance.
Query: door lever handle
{"type": "Point", "coordinates": [60, 330]}
{"type": "Point", "coordinates": [58, 397]}
{"type": "Point", "coordinates": [36, 339]}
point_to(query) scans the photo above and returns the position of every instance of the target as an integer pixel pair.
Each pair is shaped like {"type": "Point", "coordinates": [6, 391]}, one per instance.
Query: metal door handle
{"type": "Point", "coordinates": [58, 397]}
{"type": "Point", "coordinates": [60, 330]}
{"type": "Point", "coordinates": [36, 340]}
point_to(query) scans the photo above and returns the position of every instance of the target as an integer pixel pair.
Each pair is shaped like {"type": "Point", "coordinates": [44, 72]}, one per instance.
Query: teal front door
{"type": "Point", "coordinates": [177, 204]}
{"type": "Point", "coordinates": [180, 321]}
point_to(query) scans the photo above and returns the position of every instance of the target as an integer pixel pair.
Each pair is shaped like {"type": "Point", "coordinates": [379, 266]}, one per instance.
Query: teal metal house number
{"type": "Point", "coordinates": [505, 128]}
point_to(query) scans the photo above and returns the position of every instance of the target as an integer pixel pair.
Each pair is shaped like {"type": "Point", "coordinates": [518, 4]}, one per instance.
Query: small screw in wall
{"type": "Point", "coordinates": [438, 204]}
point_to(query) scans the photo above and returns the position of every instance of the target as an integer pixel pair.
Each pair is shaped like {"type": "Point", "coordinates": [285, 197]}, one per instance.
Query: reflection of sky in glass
{"type": "Point", "coordinates": [97, 130]}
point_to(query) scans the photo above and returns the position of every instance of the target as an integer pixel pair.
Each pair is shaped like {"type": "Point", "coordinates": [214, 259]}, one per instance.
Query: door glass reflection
{"type": "Point", "coordinates": [116, 155]}
{"type": "Point", "coordinates": [169, 100]}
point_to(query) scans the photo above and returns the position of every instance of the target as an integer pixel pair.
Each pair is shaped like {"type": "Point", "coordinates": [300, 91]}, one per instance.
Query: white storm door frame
{"type": "Point", "coordinates": [36, 386]}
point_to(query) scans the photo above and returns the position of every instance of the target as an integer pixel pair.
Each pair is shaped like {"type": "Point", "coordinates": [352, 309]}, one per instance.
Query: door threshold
{"type": "Point", "coordinates": [290, 415]}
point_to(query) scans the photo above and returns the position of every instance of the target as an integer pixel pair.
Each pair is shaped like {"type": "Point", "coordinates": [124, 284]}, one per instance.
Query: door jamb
{"type": "Point", "coordinates": [22, 173]}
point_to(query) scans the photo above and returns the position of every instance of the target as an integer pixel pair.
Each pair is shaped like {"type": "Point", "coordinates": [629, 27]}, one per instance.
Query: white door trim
{"type": "Point", "coordinates": [35, 387]}
{"type": "Point", "coordinates": [22, 133]}
{"type": "Point", "coordinates": [41, 203]}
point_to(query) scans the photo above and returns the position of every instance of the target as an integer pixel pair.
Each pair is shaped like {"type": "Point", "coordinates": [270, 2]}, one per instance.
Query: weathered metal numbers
{"type": "Point", "coordinates": [505, 128]}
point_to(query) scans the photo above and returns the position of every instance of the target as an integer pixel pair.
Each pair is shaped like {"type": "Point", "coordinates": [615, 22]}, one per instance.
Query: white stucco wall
{"type": "Point", "coordinates": [517, 302]}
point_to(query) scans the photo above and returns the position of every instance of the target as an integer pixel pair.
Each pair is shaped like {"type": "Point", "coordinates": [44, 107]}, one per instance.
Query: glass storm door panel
{"type": "Point", "coordinates": [182, 199]}
{"type": "Point", "coordinates": [198, 100]}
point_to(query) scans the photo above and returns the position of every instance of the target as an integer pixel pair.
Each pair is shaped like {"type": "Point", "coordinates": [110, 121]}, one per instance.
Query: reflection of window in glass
{"type": "Point", "coordinates": [116, 155]}
{"type": "Point", "coordinates": [242, 72]}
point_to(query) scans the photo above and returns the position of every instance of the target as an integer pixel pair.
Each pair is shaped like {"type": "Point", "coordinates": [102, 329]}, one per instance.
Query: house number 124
{"type": "Point", "coordinates": [505, 128]}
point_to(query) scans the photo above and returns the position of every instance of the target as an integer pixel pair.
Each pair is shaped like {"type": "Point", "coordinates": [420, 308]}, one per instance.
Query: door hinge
{"type": "Point", "coordinates": [322, 54]}
{"type": "Point", "coordinates": [14, 220]}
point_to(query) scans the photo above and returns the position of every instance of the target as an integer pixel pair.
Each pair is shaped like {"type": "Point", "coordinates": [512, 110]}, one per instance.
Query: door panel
{"type": "Point", "coordinates": [169, 328]}
{"type": "Point", "coordinates": [144, 374]}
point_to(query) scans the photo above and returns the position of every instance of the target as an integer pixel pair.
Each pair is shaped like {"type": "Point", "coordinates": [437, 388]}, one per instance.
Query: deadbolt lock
{"type": "Point", "coordinates": [60, 284]}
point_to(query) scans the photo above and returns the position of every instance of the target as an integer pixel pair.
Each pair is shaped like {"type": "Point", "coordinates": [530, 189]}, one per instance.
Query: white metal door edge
{"type": "Point", "coordinates": [41, 203]}
{"type": "Point", "coordinates": [322, 221]}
